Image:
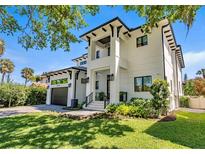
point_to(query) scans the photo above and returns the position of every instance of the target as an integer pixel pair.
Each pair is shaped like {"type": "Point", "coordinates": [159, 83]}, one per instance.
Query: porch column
{"type": "Point", "coordinates": [71, 90]}
{"type": "Point", "coordinates": [114, 68]}
{"type": "Point", "coordinates": [48, 95]}
{"type": "Point", "coordinates": [91, 49]}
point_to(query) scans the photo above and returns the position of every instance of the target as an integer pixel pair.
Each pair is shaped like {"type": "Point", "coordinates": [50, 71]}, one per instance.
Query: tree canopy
{"type": "Point", "coordinates": [52, 26]}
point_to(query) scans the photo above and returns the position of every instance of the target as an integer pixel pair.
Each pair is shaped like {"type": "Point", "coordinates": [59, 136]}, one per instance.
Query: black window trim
{"type": "Point", "coordinates": [97, 54]}
{"type": "Point", "coordinates": [142, 82]}
{"type": "Point", "coordinates": [141, 37]}
{"type": "Point", "coordinates": [96, 85]}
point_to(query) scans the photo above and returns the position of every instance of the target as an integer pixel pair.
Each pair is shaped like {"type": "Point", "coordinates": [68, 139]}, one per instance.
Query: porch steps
{"type": "Point", "coordinates": [96, 106]}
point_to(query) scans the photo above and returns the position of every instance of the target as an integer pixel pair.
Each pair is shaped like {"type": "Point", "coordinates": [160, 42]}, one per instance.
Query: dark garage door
{"type": "Point", "coordinates": [59, 96]}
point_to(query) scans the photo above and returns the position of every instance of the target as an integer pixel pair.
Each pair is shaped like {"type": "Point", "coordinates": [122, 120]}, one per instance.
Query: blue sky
{"type": "Point", "coordinates": [46, 60]}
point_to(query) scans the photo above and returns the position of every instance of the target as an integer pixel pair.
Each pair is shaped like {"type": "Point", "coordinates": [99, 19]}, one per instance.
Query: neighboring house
{"type": "Point", "coordinates": [121, 64]}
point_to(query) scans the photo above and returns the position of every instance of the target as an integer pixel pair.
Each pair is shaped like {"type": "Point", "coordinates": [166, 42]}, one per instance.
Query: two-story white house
{"type": "Point", "coordinates": [121, 63]}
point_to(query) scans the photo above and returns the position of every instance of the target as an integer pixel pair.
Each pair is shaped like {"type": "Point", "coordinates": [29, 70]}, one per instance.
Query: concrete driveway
{"type": "Point", "coordinates": [6, 112]}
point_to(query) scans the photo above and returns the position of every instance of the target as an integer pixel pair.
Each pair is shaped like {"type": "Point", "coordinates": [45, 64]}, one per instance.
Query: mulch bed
{"type": "Point", "coordinates": [170, 117]}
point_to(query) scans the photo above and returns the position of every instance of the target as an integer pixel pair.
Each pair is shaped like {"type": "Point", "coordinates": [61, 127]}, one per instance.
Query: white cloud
{"type": "Point", "coordinates": [193, 62]}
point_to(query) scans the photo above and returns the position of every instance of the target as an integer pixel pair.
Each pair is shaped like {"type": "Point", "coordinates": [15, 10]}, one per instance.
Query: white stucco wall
{"type": "Point", "coordinates": [169, 59]}
{"type": "Point", "coordinates": [80, 88]}
{"type": "Point", "coordinates": [143, 61]}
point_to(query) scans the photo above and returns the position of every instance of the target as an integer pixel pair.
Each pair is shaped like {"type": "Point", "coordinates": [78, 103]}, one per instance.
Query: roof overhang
{"type": "Point", "coordinates": [65, 70]}
{"type": "Point", "coordinates": [169, 35]}
{"type": "Point", "coordinates": [104, 28]}
{"type": "Point", "coordinates": [83, 57]}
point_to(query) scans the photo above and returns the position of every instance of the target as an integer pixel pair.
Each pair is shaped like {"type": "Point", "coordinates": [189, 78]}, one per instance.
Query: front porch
{"type": "Point", "coordinates": [104, 86]}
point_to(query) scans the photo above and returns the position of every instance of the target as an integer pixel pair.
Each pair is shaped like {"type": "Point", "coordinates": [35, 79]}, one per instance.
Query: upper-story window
{"type": "Point", "coordinates": [142, 83]}
{"type": "Point", "coordinates": [141, 41]}
{"type": "Point", "coordinates": [97, 54]}
{"type": "Point", "coordinates": [83, 62]}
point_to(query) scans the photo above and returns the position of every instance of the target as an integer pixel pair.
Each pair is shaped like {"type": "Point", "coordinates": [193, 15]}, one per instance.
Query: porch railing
{"type": "Point", "coordinates": [106, 101]}
{"type": "Point", "coordinates": [89, 99]}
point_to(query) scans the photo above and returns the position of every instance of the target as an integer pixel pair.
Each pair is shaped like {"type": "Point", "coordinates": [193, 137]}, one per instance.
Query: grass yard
{"type": "Point", "coordinates": [48, 130]}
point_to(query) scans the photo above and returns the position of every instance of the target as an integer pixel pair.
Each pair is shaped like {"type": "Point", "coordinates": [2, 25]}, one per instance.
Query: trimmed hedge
{"type": "Point", "coordinates": [19, 95]}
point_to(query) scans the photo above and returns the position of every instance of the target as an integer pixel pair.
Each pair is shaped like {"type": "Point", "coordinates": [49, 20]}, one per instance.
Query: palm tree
{"type": "Point", "coordinates": [6, 66]}
{"type": "Point", "coordinates": [11, 69]}
{"type": "Point", "coordinates": [2, 47]}
{"type": "Point", "coordinates": [27, 73]}
{"type": "Point", "coordinates": [201, 72]}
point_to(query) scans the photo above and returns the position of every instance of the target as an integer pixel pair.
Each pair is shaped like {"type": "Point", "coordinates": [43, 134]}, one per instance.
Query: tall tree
{"type": "Point", "coordinates": [52, 25]}
{"type": "Point", "coordinates": [10, 70]}
{"type": "Point", "coordinates": [201, 72]}
{"type": "Point", "coordinates": [6, 66]}
{"type": "Point", "coordinates": [2, 47]}
{"type": "Point", "coordinates": [45, 25]}
{"type": "Point", "coordinates": [154, 13]}
{"type": "Point", "coordinates": [27, 73]}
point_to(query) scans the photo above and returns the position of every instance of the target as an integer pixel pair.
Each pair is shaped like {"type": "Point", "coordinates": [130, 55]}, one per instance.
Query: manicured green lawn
{"type": "Point", "coordinates": [47, 130]}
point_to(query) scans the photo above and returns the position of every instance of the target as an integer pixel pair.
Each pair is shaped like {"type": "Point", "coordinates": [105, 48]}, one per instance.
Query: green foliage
{"type": "Point", "coordinates": [18, 95]}
{"type": "Point", "coordinates": [189, 88]}
{"type": "Point", "coordinates": [2, 47]}
{"type": "Point", "coordinates": [52, 26]}
{"type": "Point", "coordinates": [45, 25]}
{"type": "Point", "coordinates": [27, 73]}
{"type": "Point", "coordinates": [123, 109]}
{"type": "Point", "coordinates": [184, 101]}
{"type": "Point", "coordinates": [6, 67]}
{"type": "Point", "coordinates": [80, 105]}
{"type": "Point", "coordinates": [36, 95]}
{"type": "Point", "coordinates": [144, 107]}
{"type": "Point", "coordinates": [160, 93]}
{"type": "Point", "coordinates": [111, 108]}
{"type": "Point", "coordinates": [154, 13]}
{"type": "Point", "coordinates": [195, 87]}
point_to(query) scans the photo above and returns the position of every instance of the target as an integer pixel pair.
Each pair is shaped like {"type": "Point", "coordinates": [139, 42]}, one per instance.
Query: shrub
{"type": "Point", "coordinates": [80, 105]}
{"type": "Point", "coordinates": [36, 95]}
{"type": "Point", "coordinates": [144, 107]}
{"type": "Point", "coordinates": [194, 87]}
{"type": "Point", "coordinates": [184, 101]}
{"type": "Point", "coordinates": [160, 93]}
{"type": "Point", "coordinates": [189, 88]}
{"type": "Point", "coordinates": [123, 109]}
{"type": "Point", "coordinates": [134, 111]}
{"type": "Point", "coordinates": [18, 95]}
{"type": "Point", "coordinates": [111, 108]}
